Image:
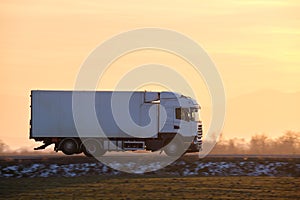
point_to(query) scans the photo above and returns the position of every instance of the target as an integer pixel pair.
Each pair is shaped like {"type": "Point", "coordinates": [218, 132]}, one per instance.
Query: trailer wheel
{"type": "Point", "coordinates": [93, 148]}
{"type": "Point", "coordinates": [69, 146]}
{"type": "Point", "coordinates": [174, 147]}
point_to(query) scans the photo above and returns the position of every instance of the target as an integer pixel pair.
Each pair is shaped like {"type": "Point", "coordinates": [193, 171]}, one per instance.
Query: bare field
{"type": "Point", "coordinates": [213, 177]}
{"type": "Point", "coordinates": [149, 187]}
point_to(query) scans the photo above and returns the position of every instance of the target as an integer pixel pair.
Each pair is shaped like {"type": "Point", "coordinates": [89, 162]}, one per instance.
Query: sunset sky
{"type": "Point", "coordinates": [255, 44]}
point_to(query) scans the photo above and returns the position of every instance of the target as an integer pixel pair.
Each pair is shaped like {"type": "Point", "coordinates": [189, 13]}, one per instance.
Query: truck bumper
{"type": "Point", "coordinates": [195, 146]}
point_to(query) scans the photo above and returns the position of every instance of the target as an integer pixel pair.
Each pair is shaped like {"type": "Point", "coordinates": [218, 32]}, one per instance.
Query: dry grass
{"type": "Point", "coordinates": [149, 187]}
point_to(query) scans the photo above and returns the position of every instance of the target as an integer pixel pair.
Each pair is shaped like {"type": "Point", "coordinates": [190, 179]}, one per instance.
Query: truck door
{"type": "Point", "coordinates": [149, 111]}
{"type": "Point", "coordinates": [182, 121]}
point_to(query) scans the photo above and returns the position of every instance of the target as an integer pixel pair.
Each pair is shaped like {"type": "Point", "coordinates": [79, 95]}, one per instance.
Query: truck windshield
{"type": "Point", "coordinates": [194, 116]}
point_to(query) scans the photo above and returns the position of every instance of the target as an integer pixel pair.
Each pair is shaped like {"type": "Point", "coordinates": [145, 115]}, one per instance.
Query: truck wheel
{"type": "Point", "coordinates": [93, 148]}
{"type": "Point", "coordinates": [69, 146]}
{"type": "Point", "coordinates": [174, 147]}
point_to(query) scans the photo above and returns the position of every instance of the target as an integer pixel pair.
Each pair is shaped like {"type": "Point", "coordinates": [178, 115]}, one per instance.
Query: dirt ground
{"type": "Point", "coordinates": [149, 187]}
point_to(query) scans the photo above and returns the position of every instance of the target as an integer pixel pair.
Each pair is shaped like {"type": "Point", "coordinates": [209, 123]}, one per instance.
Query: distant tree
{"type": "Point", "coordinates": [3, 147]}
{"type": "Point", "coordinates": [231, 146]}
{"type": "Point", "coordinates": [289, 143]}
{"type": "Point", "coordinates": [259, 144]}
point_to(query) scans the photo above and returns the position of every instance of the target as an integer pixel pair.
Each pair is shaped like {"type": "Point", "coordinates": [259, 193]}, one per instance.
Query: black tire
{"type": "Point", "coordinates": [174, 147]}
{"type": "Point", "coordinates": [93, 148]}
{"type": "Point", "coordinates": [69, 146]}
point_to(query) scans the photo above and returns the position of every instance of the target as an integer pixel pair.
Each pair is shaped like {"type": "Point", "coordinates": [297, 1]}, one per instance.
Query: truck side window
{"type": "Point", "coordinates": [182, 113]}
{"type": "Point", "coordinates": [178, 113]}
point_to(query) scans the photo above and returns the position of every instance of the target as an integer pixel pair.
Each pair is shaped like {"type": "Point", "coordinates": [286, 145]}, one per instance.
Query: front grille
{"type": "Point", "coordinates": [199, 136]}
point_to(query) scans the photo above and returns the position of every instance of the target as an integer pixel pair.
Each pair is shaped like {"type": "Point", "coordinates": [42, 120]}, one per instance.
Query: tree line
{"type": "Point", "coordinates": [289, 143]}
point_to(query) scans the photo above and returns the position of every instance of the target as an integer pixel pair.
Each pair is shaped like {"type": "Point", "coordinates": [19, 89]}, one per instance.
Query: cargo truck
{"type": "Point", "coordinates": [171, 118]}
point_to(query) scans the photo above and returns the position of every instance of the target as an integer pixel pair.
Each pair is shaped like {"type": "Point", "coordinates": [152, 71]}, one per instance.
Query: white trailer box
{"type": "Point", "coordinates": [52, 114]}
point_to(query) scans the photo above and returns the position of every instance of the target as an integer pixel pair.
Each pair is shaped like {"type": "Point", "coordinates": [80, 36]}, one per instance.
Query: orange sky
{"type": "Point", "coordinates": [255, 45]}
